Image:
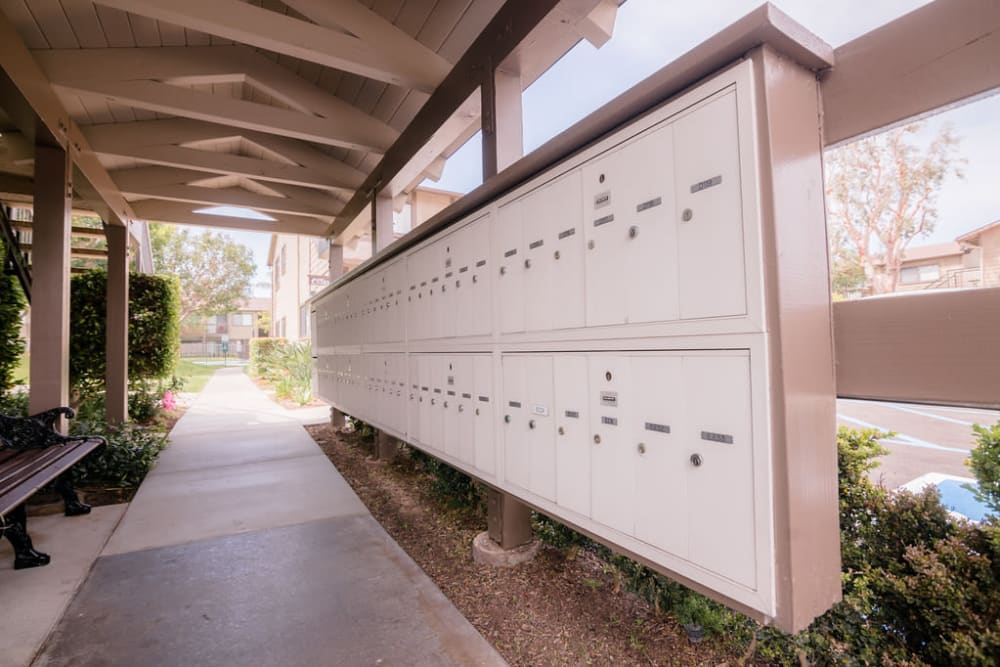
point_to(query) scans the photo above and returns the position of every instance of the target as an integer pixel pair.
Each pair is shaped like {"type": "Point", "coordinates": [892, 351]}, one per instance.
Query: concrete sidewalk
{"type": "Point", "coordinates": [245, 546]}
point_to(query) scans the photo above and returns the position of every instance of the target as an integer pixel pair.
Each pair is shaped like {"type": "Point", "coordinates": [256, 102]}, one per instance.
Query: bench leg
{"type": "Point", "coordinates": [71, 501]}
{"type": "Point", "coordinates": [16, 531]}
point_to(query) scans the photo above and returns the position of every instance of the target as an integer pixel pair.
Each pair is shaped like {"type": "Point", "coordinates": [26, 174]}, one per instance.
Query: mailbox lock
{"type": "Point", "coordinates": [696, 460]}
{"type": "Point", "coordinates": [597, 439]}
{"type": "Point", "coordinates": [591, 244]}
{"type": "Point", "coordinates": [411, 397]}
{"type": "Point", "coordinates": [446, 404]}
{"type": "Point", "coordinates": [527, 263]}
{"type": "Point", "coordinates": [477, 412]}
{"type": "Point", "coordinates": [555, 254]}
{"type": "Point", "coordinates": [506, 419]}
{"type": "Point", "coordinates": [442, 287]}
{"type": "Point", "coordinates": [433, 401]}
{"type": "Point", "coordinates": [633, 231]}
{"type": "Point", "coordinates": [503, 270]}
{"type": "Point", "coordinates": [421, 399]}
{"type": "Point", "coordinates": [531, 424]}
{"type": "Point", "coordinates": [475, 279]}
{"type": "Point", "coordinates": [687, 215]}
{"type": "Point", "coordinates": [607, 376]}
{"type": "Point", "coordinates": [461, 408]}
{"type": "Point", "coordinates": [641, 448]}
{"type": "Point", "coordinates": [562, 431]}
{"type": "Point", "coordinates": [600, 179]}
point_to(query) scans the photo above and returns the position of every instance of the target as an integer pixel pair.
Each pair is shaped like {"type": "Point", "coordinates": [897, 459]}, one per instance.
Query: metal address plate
{"type": "Point", "coordinates": [708, 183]}
{"type": "Point", "coordinates": [717, 437]}
{"type": "Point", "coordinates": [609, 399]}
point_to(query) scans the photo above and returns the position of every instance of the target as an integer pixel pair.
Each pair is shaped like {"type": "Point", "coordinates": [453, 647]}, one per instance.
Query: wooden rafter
{"type": "Point", "coordinates": [248, 24]}
{"type": "Point", "coordinates": [184, 214]}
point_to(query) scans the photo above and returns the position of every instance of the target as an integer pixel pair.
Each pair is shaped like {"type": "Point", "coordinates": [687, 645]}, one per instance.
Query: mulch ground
{"type": "Point", "coordinates": [565, 607]}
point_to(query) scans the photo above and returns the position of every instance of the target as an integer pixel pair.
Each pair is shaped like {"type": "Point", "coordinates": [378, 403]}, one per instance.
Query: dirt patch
{"type": "Point", "coordinates": [566, 607]}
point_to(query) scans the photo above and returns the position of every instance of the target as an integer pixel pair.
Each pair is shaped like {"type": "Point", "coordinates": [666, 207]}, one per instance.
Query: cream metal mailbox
{"type": "Point", "coordinates": [617, 342]}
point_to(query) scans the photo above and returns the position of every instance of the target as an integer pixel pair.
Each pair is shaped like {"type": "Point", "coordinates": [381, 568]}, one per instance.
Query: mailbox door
{"type": "Point", "coordinates": [413, 399]}
{"type": "Point", "coordinates": [477, 311]}
{"type": "Point", "coordinates": [540, 433]}
{"type": "Point", "coordinates": [517, 455]}
{"type": "Point", "coordinates": [464, 387]}
{"type": "Point", "coordinates": [573, 441]}
{"type": "Point", "coordinates": [612, 453]}
{"type": "Point", "coordinates": [661, 512]}
{"type": "Point", "coordinates": [709, 214]}
{"type": "Point", "coordinates": [484, 414]}
{"type": "Point", "coordinates": [605, 180]}
{"type": "Point", "coordinates": [718, 432]}
{"type": "Point", "coordinates": [509, 267]}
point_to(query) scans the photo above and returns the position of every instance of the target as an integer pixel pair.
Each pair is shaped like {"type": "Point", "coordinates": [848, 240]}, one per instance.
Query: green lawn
{"type": "Point", "coordinates": [194, 375]}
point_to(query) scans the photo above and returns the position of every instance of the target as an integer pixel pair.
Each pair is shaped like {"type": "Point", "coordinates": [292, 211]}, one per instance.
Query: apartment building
{"type": "Point", "coordinates": [229, 333]}
{"type": "Point", "coordinates": [971, 260]}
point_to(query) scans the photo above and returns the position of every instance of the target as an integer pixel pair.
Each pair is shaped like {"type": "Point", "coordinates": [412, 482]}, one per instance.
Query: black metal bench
{"type": "Point", "coordinates": [33, 455]}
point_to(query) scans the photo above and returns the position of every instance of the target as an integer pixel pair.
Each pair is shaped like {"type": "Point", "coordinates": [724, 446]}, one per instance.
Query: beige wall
{"type": "Point", "coordinates": [299, 270]}
{"type": "Point", "coordinates": [990, 243]}
{"type": "Point", "coordinates": [946, 264]}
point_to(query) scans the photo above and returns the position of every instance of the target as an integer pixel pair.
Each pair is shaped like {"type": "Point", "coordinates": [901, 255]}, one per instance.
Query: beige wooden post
{"type": "Point", "coordinates": [382, 234]}
{"type": "Point", "coordinates": [49, 372]}
{"type": "Point", "coordinates": [116, 371]}
{"type": "Point", "coordinates": [508, 519]}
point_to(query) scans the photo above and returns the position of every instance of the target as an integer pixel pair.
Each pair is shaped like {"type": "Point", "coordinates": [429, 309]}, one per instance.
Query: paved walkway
{"type": "Point", "coordinates": [245, 546]}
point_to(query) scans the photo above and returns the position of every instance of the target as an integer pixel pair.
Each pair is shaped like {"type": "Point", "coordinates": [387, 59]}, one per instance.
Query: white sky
{"type": "Point", "coordinates": [651, 33]}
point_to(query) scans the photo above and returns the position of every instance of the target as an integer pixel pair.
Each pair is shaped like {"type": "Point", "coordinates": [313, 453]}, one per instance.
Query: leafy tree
{"type": "Point", "coordinates": [12, 304]}
{"type": "Point", "coordinates": [881, 194]}
{"type": "Point", "coordinates": [214, 271]}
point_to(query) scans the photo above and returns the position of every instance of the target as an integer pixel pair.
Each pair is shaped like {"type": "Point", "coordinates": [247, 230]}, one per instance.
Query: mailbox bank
{"type": "Point", "coordinates": [635, 340]}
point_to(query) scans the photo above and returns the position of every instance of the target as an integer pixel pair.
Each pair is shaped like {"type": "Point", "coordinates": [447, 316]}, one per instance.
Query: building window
{"type": "Point", "coordinates": [919, 274]}
{"type": "Point", "coordinates": [242, 320]}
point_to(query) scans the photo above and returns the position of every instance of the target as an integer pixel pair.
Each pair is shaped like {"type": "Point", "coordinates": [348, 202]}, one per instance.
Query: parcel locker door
{"type": "Point", "coordinates": [434, 298]}
{"type": "Point", "coordinates": [413, 399]}
{"type": "Point", "coordinates": [709, 212]}
{"type": "Point", "coordinates": [604, 200]}
{"type": "Point", "coordinates": [413, 304]}
{"type": "Point", "coordinates": [541, 431]}
{"type": "Point", "coordinates": [509, 267]}
{"type": "Point", "coordinates": [517, 452]}
{"type": "Point", "coordinates": [612, 453]}
{"type": "Point", "coordinates": [484, 414]}
{"type": "Point", "coordinates": [573, 437]}
{"type": "Point", "coordinates": [395, 277]}
{"type": "Point", "coordinates": [719, 465]}
{"type": "Point", "coordinates": [661, 513]}
{"type": "Point", "coordinates": [477, 312]}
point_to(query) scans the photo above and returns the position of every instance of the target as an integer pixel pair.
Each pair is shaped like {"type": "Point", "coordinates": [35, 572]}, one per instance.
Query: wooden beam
{"type": "Point", "coordinates": [180, 213]}
{"type": "Point", "coordinates": [22, 73]}
{"type": "Point", "coordinates": [112, 137]}
{"type": "Point", "coordinates": [941, 54]}
{"type": "Point", "coordinates": [177, 101]}
{"type": "Point", "coordinates": [509, 26]}
{"type": "Point", "coordinates": [82, 232]}
{"type": "Point", "coordinates": [225, 163]}
{"type": "Point", "coordinates": [255, 26]}
{"type": "Point", "coordinates": [185, 65]}
{"type": "Point", "coordinates": [230, 197]}
{"type": "Point", "coordinates": [369, 27]}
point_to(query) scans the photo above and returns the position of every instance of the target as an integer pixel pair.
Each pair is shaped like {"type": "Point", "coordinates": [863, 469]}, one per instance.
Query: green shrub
{"type": "Point", "coordinates": [985, 463]}
{"type": "Point", "coordinates": [130, 453]}
{"type": "Point", "coordinates": [456, 489]}
{"type": "Point", "coordinates": [262, 356]}
{"type": "Point", "coordinates": [12, 305]}
{"type": "Point", "coordinates": [14, 403]}
{"type": "Point", "coordinates": [154, 328]}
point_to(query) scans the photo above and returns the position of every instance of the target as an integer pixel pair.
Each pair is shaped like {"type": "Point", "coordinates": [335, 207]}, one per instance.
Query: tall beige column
{"type": "Point", "coordinates": [116, 371]}
{"type": "Point", "coordinates": [50, 260]}
{"type": "Point", "coordinates": [336, 270]}
{"type": "Point", "coordinates": [509, 519]}
{"type": "Point", "coordinates": [382, 234]}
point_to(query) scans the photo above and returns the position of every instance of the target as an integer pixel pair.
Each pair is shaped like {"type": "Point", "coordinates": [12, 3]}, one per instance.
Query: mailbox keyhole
{"type": "Point", "coordinates": [600, 179]}
{"type": "Point", "coordinates": [687, 215]}
{"type": "Point", "coordinates": [506, 419]}
{"type": "Point", "coordinates": [696, 460]}
{"type": "Point", "coordinates": [633, 231]}
{"type": "Point", "coordinates": [556, 254]}
{"type": "Point", "coordinates": [527, 263]}
{"type": "Point", "coordinates": [607, 376]}
{"type": "Point", "coordinates": [562, 431]}
{"type": "Point", "coordinates": [597, 439]}
{"type": "Point", "coordinates": [531, 424]}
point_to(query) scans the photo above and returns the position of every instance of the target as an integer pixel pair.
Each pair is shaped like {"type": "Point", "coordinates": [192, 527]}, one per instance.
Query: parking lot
{"type": "Point", "coordinates": [926, 439]}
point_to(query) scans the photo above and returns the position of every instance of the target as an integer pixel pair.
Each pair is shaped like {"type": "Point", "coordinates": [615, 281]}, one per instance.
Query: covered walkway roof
{"type": "Point", "coordinates": [299, 109]}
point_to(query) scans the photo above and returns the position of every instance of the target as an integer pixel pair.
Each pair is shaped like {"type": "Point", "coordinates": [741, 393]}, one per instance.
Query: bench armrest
{"type": "Point", "coordinates": [49, 417]}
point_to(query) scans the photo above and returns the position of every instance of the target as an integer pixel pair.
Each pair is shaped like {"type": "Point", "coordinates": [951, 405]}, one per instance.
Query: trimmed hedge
{"type": "Point", "coordinates": [12, 303]}
{"type": "Point", "coordinates": [153, 327]}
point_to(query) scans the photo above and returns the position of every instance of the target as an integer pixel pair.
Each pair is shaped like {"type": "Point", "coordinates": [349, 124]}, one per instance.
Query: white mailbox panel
{"type": "Point", "coordinates": [591, 343]}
